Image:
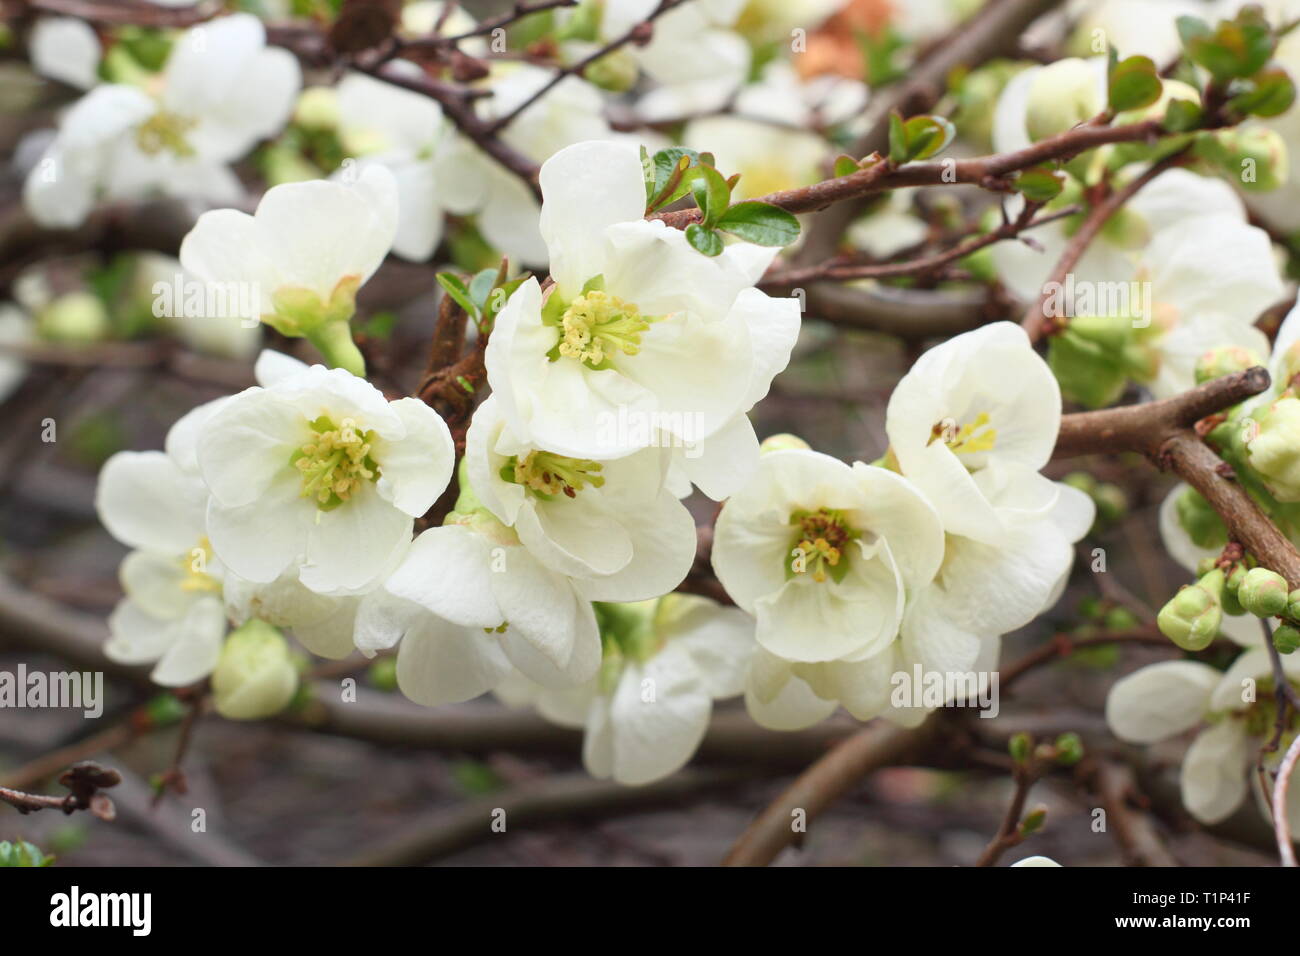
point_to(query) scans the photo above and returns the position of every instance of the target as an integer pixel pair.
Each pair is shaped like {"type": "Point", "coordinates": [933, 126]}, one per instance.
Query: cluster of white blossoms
{"type": "Point", "coordinates": [913, 565]}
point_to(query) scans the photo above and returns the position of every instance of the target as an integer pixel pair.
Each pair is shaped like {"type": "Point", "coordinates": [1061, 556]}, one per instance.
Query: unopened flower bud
{"type": "Point", "coordinates": [1112, 503]}
{"type": "Point", "coordinates": [318, 108]}
{"type": "Point", "coordinates": [255, 676]}
{"type": "Point", "coordinates": [782, 442]}
{"type": "Point", "coordinates": [1255, 156]}
{"type": "Point", "coordinates": [78, 318]}
{"type": "Point", "coordinates": [1069, 749]}
{"type": "Point", "coordinates": [1286, 639]}
{"type": "Point", "coordinates": [1224, 360]}
{"type": "Point", "coordinates": [1201, 522]}
{"type": "Point", "coordinates": [616, 72]}
{"type": "Point", "coordinates": [1263, 593]}
{"type": "Point", "coordinates": [1062, 95]}
{"type": "Point", "coordinates": [1293, 605]}
{"type": "Point", "coordinates": [1274, 450]}
{"type": "Point", "coordinates": [1191, 618]}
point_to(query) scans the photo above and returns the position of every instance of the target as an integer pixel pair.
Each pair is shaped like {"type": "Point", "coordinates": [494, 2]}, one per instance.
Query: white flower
{"type": "Point", "coordinates": [769, 157]}
{"type": "Point", "coordinates": [322, 623]}
{"type": "Point", "coordinates": [1164, 700]}
{"type": "Point", "coordinates": [823, 554]}
{"type": "Point", "coordinates": [665, 663]}
{"type": "Point", "coordinates": [302, 255]}
{"type": "Point", "coordinates": [172, 615]}
{"type": "Point", "coordinates": [612, 525]}
{"type": "Point", "coordinates": [225, 336]}
{"type": "Point", "coordinates": [221, 91]}
{"type": "Point", "coordinates": [694, 58]}
{"type": "Point", "coordinates": [506, 209]}
{"type": "Point", "coordinates": [1132, 27]}
{"type": "Point", "coordinates": [468, 604]}
{"type": "Point", "coordinates": [1036, 861]}
{"type": "Point", "coordinates": [405, 132]}
{"type": "Point", "coordinates": [15, 329]}
{"type": "Point", "coordinates": [65, 49]}
{"type": "Point", "coordinates": [638, 323]}
{"type": "Point", "coordinates": [932, 661]}
{"type": "Point", "coordinates": [319, 472]}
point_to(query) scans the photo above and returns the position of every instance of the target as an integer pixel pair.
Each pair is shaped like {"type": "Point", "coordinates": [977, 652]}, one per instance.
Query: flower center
{"type": "Point", "coordinates": [195, 568]}
{"type": "Point", "coordinates": [819, 547]}
{"type": "Point", "coordinates": [597, 325]}
{"type": "Point", "coordinates": [1261, 715]}
{"type": "Point", "coordinates": [966, 439]}
{"type": "Point", "coordinates": [336, 462]}
{"type": "Point", "coordinates": [165, 131]}
{"type": "Point", "coordinates": [547, 475]}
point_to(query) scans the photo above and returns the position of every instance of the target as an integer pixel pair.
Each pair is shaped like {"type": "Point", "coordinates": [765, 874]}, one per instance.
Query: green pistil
{"type": "Point", "coordinates": [336, 463]}
{"type": "Point", "coordinates": [547, 475]}
{"type": "Point", "coordinates": [165, 131]}
{"type": "Point", "coordinates": [818, 547]}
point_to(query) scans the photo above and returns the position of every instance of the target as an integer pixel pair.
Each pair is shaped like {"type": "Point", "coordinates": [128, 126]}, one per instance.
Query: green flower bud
{"type": "Point", "coordinates": [616, 72]}
{"type": "Point", "coordinates": [1255, 156]}
{"type": "Point", "coordinates": [1263, 593]}
{"type": "Point", "coordinates": [318, 108]}
{"type": "Point", "coordinates": [1112, 503]}
{"type": "Point", "coordinates": [255, 676]}
{"type": "Point", "coordinates": [1126, 153]}
{"type": "Point", "coordinates": [1087, 372]}
{"type": "Point", "coordinates": [1224, 360]}
{"type": "Point", "coordinates": [1293, 605]}
{"type": "Point", "coordinates": [1286, 639]}
{"type": "Point", "coordinates": [1062, 95]}
{"type": "Point", "coordinates": [1274, 451]}
{"type": "Point", "coordinates": [782, 442]}
{"type": "Point", "coordinates": [1191, 618]}
{"type": "Point", "coordinates": [78, 318]}
{"type": "Point", "coordinates": [1019, 746]}
{"type": "Point", "coordinates": [1120, 619]}
{"type": "Point", "coordinates": [1069, 749]}
{"type": "Point", "coordinates": [1081, 481]}
{"type": "Point", "coordinates": [1201, 522]}
{"type": "Point", "coordinates": [383, 673]}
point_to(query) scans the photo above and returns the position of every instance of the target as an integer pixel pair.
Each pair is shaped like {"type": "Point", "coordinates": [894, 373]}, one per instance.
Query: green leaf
{"type": "Point", "coordinates": [480, 286]}
{"type": "Point", "coordinates": [845, 165]}
{"type": "Point", "coordinates": [703, 240]}
{"type": "Point", "coordinates": [1269, 92]}
{"type": "Point", "coordinates": [1039, 184]}
{"type": "Point", "coordinates": [1182, 116]}
{"type": "Point", "coordinates": [711, 192]}
{"type": "Point", "coordinates": [760, 223]}
{"type": "Point", "coordinates": [1234, 49]}
{"type": "Point", "coordinates": [456, 289]}
{"type": "Point", "coordinates": [1134, 84]}
{"type": "Point", "coordinates": [917, 138]}
{"type": "Point", "coordinates": [897, 139]}
{"type": "Point", "coordinates": [672, 175]}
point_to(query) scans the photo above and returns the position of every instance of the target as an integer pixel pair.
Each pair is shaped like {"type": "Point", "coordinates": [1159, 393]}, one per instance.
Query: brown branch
{"type": "Point", "coordinates": [517, 12]}
{"type": "Point", "coordinates": [845, 271]}
{"type": "Point", "coordinates": [877, 745]}
{"type": "Point", "coordinates": [1037, 321]}
{"type": "Point", "coordinates": [84, 782]}
{"type": "Point", "coordinates": [131, 12]}
{"type": "Point", "coordinates": [1025, 775]}
{"type": "Point", "coordinates": [565, 799]}
{"type": "Point", "coordinates": [1063, 645]}
{"type": "Point", "coordinates": [1146, 427]}
{"type": "Point", "coordinates": [1134, 832]}
{"type": "Point", "coordinates": [1281, 828]}
{"type": "Point", "coordinates": [1162, 431]}
{"type": "Point", "coordinates": [639, 34]}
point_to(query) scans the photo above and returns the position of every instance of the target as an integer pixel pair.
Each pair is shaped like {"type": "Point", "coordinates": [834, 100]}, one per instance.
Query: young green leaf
{"type": "Point", "coordinates": [711, 192]}
{"type": "Point", "coordinates": [760, 223]}
{"type": "Point", "coordinates": [1039, 184]}
{"type": "Point", "coordinates": [703, 240]}
{"type": "Point", "coordinates": [1134, 84]}
{"type": "Point", "coordinates": [845, 165]}
{"type": "Point", "coordinates": [898, 153]}
{"type": "Point", "coordinates": [456, 289]}
{"type": "Point", "coordinates": [1182, 116]}
{"type": "Point", "coordinates": [1269, 92]}
{"type": "Point", "coordinates": [927, 135]}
